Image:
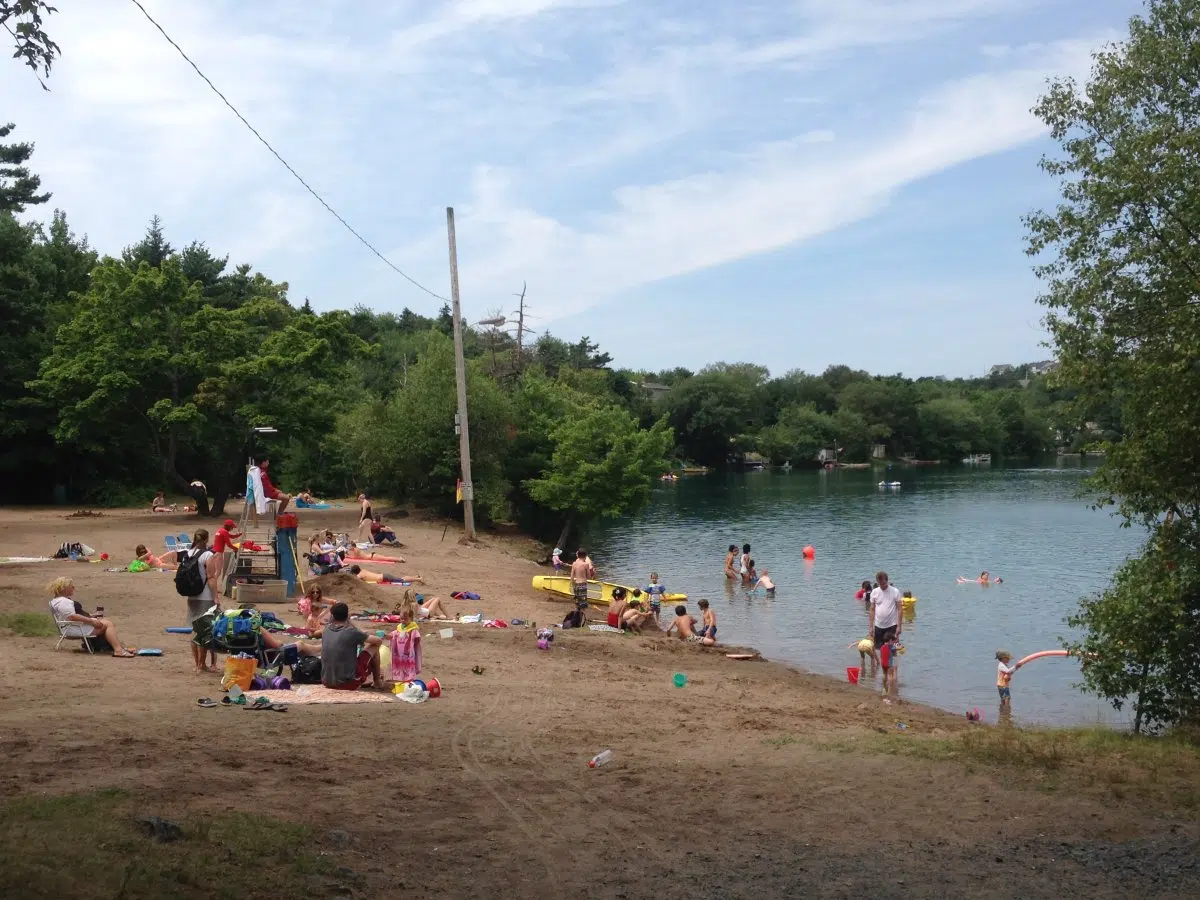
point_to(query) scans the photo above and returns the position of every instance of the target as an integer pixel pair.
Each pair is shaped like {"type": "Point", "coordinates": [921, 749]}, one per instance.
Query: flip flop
{"type": "Point", "coordinates": [259, 703]}
{"type": "Point", "coordinates": [207, 703]}
{"type": "Point", "coordinates": [478, 670]}
{"type": "Point", "coordinates": [126, 653]}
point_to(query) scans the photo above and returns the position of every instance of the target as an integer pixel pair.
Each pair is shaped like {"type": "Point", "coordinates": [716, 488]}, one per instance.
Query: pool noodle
{"type": "Point", "coordinates": [179, 629]}
{"type": "Point", "coordinates": [1040, 654]}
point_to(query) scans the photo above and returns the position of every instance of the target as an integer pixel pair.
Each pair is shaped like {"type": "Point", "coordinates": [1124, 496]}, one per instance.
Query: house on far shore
{"type": "Point", "coordinates": [1044, 367]}
{"type": "Point", "coordinates": [654, 389]}
{"type": "Point", "coordinates": [1002, 369]}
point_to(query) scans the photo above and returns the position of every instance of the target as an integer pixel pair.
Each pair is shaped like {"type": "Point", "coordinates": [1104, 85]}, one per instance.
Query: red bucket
{"type": "Point", "coordinates": [434, 687]}
{"type": "Point", "coordinates": [852, 673]}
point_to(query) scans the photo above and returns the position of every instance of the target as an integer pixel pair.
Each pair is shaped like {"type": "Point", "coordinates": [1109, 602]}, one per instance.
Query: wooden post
{"type": "Point", "coordinates": [460, 377]}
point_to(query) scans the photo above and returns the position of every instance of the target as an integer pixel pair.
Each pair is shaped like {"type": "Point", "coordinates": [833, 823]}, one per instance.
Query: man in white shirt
{"type": "Point", "coordinates": [885, 611]}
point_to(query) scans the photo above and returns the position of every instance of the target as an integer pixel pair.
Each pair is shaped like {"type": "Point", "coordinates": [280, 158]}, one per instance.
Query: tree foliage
{"type": "Point", "coordinates": [18, 187]}
{"type": "Point", "coordinates": [1121, 267]}
{"type": "Point", "coordinates": [23, 19]}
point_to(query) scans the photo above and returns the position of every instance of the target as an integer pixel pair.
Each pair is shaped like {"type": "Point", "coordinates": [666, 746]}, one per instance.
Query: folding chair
{"type": "Point", "coordinates": [74, 630]}
{"type": "Point", "coordinates": [184, 542]}
{"type": "Point", "coordinates": [171, 544]}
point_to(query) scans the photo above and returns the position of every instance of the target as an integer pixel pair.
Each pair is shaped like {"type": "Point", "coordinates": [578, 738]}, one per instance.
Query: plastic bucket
{"type": "Point", "coordinates": [434, 687]}
{"type": "Point", "coordinates": [446, 633]}
{"type": "Point", "coordinates": [679, 679]}
{"type": "Point", "coordinates": [852, 673]}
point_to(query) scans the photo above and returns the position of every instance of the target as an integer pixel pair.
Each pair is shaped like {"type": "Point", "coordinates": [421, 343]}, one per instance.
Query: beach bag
{"type": "Point", "coordinates": [307, 670]}
{"type": "Point", "coordinates": [66, 550]}
{"type": "Point", "coordinates": [237, 630]}
{"type": "Point", "coordinates": [189, 579]}
{"type": "Point", "coordinates": [239, 671]}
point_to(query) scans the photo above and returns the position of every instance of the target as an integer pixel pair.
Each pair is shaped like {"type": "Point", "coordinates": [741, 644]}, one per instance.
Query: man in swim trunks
{"type": "Point", "coordinates": [579, 576]}
{"type": "Point", "coordinates": [885, 611]}
{"type": "Point", "coordinates": [380, 578]}
{"type": "Point", "coordinates": [269, 490]}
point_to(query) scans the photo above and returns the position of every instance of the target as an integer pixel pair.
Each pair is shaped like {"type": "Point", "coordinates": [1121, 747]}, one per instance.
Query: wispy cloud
{"type": "Point", "coordinates": [591, 147]}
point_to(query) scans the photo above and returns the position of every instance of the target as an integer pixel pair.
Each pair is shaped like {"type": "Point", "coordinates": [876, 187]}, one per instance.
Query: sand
{"type": "Point", "coordinates": [753, 780]}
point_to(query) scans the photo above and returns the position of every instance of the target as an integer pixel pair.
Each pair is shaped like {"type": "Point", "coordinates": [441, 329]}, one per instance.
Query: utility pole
{"type": "Point", "coordinates": [521, 325]}
{"type": "Point", "coordinates": [460, 378]}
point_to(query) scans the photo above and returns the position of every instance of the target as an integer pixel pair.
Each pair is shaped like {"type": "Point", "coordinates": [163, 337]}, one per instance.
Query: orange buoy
{"type": "Point", "coordinates": [809, 552]}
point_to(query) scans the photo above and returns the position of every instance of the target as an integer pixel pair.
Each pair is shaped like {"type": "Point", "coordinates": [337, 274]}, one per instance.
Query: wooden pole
{"type": "Point", "coordinates": [460, 377]}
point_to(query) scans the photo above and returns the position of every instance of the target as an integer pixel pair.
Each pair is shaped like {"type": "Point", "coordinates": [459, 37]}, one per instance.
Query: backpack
{"type": "Point", "coordinates": [237, 630]}
{"type": "Point", "coordinates": [307, 670]}
{"type": "Point", "coordinates": [190, 578]}
{"type": "Point", "coordinates": [68, 548]}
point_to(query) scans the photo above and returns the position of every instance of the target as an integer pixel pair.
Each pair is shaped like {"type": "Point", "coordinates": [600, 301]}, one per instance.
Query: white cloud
{"type": "Point", "coordinates": [781, 194]}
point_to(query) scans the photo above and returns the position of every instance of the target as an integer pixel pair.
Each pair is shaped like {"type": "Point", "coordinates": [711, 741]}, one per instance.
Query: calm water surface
{"type": "Point", "coordinates": [1028, 525]}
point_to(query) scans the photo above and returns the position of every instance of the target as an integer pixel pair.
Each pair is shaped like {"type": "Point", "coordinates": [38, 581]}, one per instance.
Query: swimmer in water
{"type": "Point", "coordinates": [984, 578]}
{"type": "Point", "coordinates": [764, 582]}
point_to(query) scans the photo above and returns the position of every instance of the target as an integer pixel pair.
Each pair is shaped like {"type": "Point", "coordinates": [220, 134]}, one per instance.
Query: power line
{"type": "Point", "coordinates": [262, 140]}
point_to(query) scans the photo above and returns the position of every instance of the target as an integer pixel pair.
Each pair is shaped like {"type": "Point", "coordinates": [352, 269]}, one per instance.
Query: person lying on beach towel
{"type": "Point", "coordinates": [356, 552]}
{"type": "Point", "coordinates": [67, 609]}
{"type": "Point", "coordinates": [382, 578]}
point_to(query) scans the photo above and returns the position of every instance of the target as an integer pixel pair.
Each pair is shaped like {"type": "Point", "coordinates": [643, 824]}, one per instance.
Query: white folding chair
{"type": "Point", "coordinates": [74, 630]}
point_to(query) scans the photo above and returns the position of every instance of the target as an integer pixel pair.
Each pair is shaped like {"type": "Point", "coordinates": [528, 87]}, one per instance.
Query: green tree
{"type": "Point", "coordinates": [716, 412]}
{"type": "Point", "coordinates": [146, 369]}
{"type": "Point", "coordinates": [799, 435]}
{"type": "Point", "coordinates": [603, 466]}
{"type": "Point", "coordinates": [1138, 641]}
{"type": "Point", "coordinates": [23, 20]}
{"type": "Point", "coordinates": [1121, 265]}
{"type": "Point", "coordinates": [406, 447]}
{"type": "Point", "coordinates": [18, 187]}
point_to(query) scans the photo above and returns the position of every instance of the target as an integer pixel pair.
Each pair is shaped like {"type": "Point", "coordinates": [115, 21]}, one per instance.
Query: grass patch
{"type": "Point", "coordinates": [1166, 769]}
{"type": "Point", "coordinates": [91, 846]}
{"type": "Point", "coordinates": [28, 624]}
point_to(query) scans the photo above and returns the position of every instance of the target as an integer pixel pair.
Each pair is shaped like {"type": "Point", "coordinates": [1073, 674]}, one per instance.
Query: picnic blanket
{"type": "Point", "coordinates": [317, 693]}
{"type": "Point", "coordinates": [604, 628]}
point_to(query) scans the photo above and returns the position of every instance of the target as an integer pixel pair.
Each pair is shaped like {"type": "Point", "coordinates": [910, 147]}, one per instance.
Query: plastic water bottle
{"type": "Point", "coordinates": [600, 759]}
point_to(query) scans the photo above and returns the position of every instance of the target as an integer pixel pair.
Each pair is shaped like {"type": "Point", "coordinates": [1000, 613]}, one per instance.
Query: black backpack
{"type": "Point", "coordinates": [307, 670]}
{"type": "Point", "coordinates": [190, 578]}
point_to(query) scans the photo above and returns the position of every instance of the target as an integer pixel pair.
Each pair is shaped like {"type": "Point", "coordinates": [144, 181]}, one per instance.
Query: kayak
{"type": "Point", "coordinates": [599, 592]}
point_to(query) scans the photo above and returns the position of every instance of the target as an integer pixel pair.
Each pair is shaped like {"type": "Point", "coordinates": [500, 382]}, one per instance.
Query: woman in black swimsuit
{"type": "Point", "coordinates": [364, 522]}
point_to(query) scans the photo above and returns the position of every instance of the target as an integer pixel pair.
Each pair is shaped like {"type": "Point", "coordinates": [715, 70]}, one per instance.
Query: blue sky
{"type": "Point", "coordinates": [796, 183]}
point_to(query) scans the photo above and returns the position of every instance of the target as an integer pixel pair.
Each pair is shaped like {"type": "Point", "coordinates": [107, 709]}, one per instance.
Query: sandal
{"type": "Point", "coordinates": [207, 703]}
{"type": "Point", "coordinates": [124, 653]}
{"type": "Point", "coordinates": [478, 670]}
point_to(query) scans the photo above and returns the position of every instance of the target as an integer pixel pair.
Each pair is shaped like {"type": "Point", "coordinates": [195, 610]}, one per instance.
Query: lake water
{"type": "Point", "coordinates": [1029, 526]}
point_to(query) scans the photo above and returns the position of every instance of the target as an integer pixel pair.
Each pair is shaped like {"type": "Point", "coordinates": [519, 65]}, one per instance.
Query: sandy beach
{"type": "Point", "coordinates": [753, 780]}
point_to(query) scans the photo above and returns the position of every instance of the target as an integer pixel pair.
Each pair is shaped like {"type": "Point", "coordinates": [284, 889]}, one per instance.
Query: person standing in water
{"type": "Point", "coordinates": [730, 556]}
{"type": "Point", "coordinates": [745, 564]}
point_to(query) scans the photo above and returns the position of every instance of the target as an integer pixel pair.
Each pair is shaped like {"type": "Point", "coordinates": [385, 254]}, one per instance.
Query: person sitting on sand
{"type": "Point", "coordinates": [427, 607]}
{"type": "Point", "coordinates": [349, 658]}
{"type": "Point", "coordinates": [168, 560]}
{"type": "Point", "coordinates": [686, 626]}
{"type": "Point", "coordinates": [67, 609]}
{"type": "Point", "coordinates": [382, 578]}
{"type": "Point", "coordinates": [617, 607]}
{"type": "Point", "coordinates": [634, 617]}
{"type": "Point", "coordinates": [382, 534]}
{"type": "Point", "coordinates": [764, 582]}
{"type": "Point", "coordinates": [159, 503]}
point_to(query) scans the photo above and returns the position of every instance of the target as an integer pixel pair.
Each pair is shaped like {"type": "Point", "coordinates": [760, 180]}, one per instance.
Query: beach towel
{"type": "Point", "coordinates": [464, 595]}
{"type": "Point", "coordinates": [604, 628]}
{"type": "Point", "coordinates": [406, 652]}
{"type": "Point", "coordinates": [254, 490]}
{"type": "Point", "coordinates": [495, 623]}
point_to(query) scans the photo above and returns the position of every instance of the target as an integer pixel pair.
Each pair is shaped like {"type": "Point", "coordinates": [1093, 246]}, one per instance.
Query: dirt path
{"type": "Point", "coordinates": [754, 780]}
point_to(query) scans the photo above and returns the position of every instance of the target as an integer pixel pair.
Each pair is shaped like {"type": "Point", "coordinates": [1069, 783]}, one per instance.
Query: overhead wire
{"type": "Point", "coordinates": [262, 140]}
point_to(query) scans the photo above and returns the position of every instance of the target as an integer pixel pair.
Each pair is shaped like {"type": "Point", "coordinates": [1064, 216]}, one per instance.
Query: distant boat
{"type": "Point", "coordinates": [787, 466]}
{"type": "Point", "coordinates": [889, 484]}
{"type": "Point", "coordinates": [694, 470]}
{"type": "Point", "coordinates": [978, 459]}
{"type": "Point", "coordinates": [854, 465]}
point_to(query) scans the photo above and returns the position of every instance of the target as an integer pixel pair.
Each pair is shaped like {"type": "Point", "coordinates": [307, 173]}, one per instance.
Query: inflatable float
{"type": "Point", "coordinates": [599, 592]}
{"type": "Point", "coordinates": [1040, 654]}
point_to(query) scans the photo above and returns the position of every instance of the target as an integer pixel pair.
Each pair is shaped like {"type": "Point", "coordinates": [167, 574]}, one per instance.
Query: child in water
{"type": "Point", "coordinates": [1004, 674]}
{"type": "Point", "coordinates": [730, 556]}
{"type": "Point", "coordinates": [751, 573]}
{"type": "Point", "coordinates": [866, 648]}
{"type": "Point", "coordinates": [864, 592]}
{"type": "Point", "coordinates": [655, 591]}
{"type": "Point", "coordinates": [889, 661]}
{"type": "Point", "coordinates": [764, 582]}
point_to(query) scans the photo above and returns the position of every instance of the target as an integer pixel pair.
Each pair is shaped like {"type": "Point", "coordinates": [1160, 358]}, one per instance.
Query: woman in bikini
{"type": "Point", "coordinates": [356, 552]}
{"type": "Point", "coordinates": [168, 560]}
